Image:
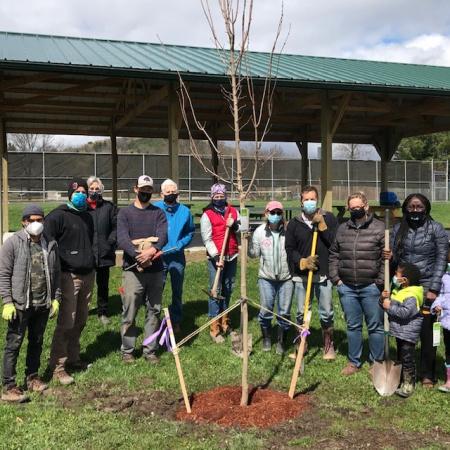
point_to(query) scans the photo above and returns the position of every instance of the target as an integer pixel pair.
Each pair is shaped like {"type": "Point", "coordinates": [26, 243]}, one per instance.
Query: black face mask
{"type": "Point", "coordinates": [415, 217]}
{"type": "Point", "coordinates": [144, 197]}
{"type": "Point", "coordinates": [220, 203]}
{"type": "Point", "coordinates": [95, 196]}
{"type": "Point", "coordinates": [170, 198]}
{"type": "Point", "coordinates": [357, 213]}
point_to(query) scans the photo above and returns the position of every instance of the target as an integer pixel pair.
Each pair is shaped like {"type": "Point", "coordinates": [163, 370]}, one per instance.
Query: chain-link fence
{"type": "Point", "coordinates": [45, 175]}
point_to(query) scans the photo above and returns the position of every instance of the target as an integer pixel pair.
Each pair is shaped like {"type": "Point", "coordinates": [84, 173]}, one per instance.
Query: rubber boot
{"type": "Point", "coordinates": [329, 353]}
{"type": "Point", "coordinates": [215, 332]}
{"type": "Point", "coordinates": [407, 387]}
{"type": "Point", "coordinates": [446, 387]}
{"type": "Point", "coordinates": [282, 338]}
{"type": "Point", "coordinates": [226, 327]}
{"type": "Point", "coordinates": [266, 338]}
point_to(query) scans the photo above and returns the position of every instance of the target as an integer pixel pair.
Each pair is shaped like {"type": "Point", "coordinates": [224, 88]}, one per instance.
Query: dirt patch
{"type": "Point", "coordinates": [221, 406]}
{"type": "Point", "coordinates": [195, 256]}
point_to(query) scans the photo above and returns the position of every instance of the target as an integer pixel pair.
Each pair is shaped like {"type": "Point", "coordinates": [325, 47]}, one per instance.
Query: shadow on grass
{"type": "Point", "coordinates": [191, 310]}
{"type": "Point", "coordinates": [105, 343]}
{"type": "Point", "coordinates": [114, 306]}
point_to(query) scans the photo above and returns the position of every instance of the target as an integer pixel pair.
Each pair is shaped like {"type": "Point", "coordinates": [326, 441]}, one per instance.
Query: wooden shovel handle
{"type": "Point", "coordinates": [221, 258]}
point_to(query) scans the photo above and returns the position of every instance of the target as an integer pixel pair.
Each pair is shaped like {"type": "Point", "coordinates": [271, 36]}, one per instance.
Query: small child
{"type": "Point", "coordinates": [442, 306]}
{"type": "Point", "coordinates": [405, 321]}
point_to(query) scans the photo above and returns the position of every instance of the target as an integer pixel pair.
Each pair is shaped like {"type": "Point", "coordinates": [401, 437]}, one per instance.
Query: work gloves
{"type": "Point", "coordinates": [54, 309]}
{"type": "Point", "coordinates": [9, 311]}
{"type": "Point", "coordinates": [320, 221]}
{"type": "Point", "coordinates": [309, 263]}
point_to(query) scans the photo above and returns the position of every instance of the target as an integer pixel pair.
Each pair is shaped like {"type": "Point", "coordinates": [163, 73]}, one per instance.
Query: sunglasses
{"type": "Point", "coordinates": [276, 212]}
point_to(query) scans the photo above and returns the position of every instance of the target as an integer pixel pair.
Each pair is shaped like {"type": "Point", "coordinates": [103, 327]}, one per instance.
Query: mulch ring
{"type": "Point", "coordinates": [221, 406]}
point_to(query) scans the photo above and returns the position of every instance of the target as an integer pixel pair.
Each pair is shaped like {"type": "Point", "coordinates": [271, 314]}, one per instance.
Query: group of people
{"type": "Point", "coordinates": [48, 269]}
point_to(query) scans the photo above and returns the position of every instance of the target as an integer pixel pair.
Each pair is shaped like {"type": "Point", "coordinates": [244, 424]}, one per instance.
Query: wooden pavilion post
{"type": "Point", "coordinates": [5, 185]}
{"type": "Point", "coordinates": [114, 161]}
{"type": "Point", "coordinates": [303, 148]}
{"type": "Point", "coordinates": [326, 153]}
{"type": "Point", "coordinates": [174, 124]}
{"type": "Point", "coordinates": [386, 147]}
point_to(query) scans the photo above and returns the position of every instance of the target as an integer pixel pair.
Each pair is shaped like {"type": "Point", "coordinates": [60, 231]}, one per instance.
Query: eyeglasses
{"type": "Point", "coordinates": [276, 212]}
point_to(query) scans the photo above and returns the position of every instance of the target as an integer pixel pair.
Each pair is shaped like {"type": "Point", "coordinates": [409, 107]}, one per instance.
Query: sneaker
{"type": "Point", "coordinates": [128, 358]}
{"type": "Point", "coordinates": [14, 394]}
{"type": "Point", "coordinates": [104, 320]}
{"type": "Point", "coordinates": [445, 387]}
{"type": "Point", "coordinates": [35, 384]}
{"type": "Point", "coordinates": [350, 369]}
{"type": "Point", "coordinates": [152, 358]}
{"type": "Point", "coordinates": [62, 377]}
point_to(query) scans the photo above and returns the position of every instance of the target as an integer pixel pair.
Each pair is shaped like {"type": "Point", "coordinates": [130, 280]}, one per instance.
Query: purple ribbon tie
{"type": "Point", "coordinates": [304, 334]}
{"type": "Point", "coordinates": [164, 336]}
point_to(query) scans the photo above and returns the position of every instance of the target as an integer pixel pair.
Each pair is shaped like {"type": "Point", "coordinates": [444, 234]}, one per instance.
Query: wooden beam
{"type": "Point", "coordinates": [303, 149]}
{"type": "Point", "coordinates": [326, 153]}
{"type": "Point", "coordinates": [386, 146]}
{"type": "Point", "coordinates": [5, 184]}
{"type": "Point", "coordinates": [155, 98]}
{"type": "Point", "coordinates": [114, 161]}
{"type": "Point", "coordinates": [174, 124]}
{"type": "Point", "coordinates": [340, 113]}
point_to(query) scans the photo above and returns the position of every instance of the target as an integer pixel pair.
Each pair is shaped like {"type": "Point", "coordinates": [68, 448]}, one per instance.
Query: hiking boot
{"type": "Point", "coordinates": [406, 389]}
{"type": "Point", "coordinates": [350, 369]}
{"type": "Point", "coordinates": [62, 377]}
{"type": "Point", "coordinates": [152, 358]}
{"type": "Point", "coordinates": [214, 332]}
{"type": "Point", "coordinates": [266, 339]}
{"type": "Point", "coordinates": [427, 383]}
{"type": "Point", "coordinates": [35, 384]}
{"type": "Point", "coordinates": [226, 327]}
{"type": "Point", "coordinates": [104, 320]}
{"type": "Point", "coordinates": [14, 394]}
{"type": "Point", "coordinates": [128, 358]}
{"type": "Point", "coordinates": [329, 353]}
{"type": "Point", "coordinates": [77, 365]}
{"type": "Point", "coordinates": [282, 338]}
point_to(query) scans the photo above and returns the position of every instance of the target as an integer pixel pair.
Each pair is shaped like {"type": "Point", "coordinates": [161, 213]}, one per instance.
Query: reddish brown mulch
{"type": "Point", "coordinates": [221, 406]}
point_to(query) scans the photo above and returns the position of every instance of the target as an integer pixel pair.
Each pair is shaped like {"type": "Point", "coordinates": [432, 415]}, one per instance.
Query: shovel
{"type": "Point", "coordinates": [213, 293]}
{"type": "Point", "coordinates": [386, 374]}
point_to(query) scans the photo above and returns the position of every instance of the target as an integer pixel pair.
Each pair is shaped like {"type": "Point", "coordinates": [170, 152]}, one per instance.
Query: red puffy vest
{"type": "Point", "coordinates": [218, 225]}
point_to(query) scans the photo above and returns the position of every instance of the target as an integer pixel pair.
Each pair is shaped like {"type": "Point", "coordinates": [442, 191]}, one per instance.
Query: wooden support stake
{"type": "Point", "coordinates": [244, 319]}
{"type": "Point", "coordinates": [114, 161]}
{"type": "Point", "coordinates": [173, 343]}
{"type": "Point", "coordinates": [326, 154]}
{"type": "Point", "coordinates": [307, 319]}
{"type": "Point", "coordinates": [5, 184]}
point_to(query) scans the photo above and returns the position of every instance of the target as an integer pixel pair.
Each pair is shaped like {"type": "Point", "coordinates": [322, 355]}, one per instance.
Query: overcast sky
{"type": "Point", "coordinates": [391, 30]}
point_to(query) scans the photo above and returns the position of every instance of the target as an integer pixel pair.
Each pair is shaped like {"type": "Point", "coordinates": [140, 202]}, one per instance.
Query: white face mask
{"type": "Point", "coordinates": [34, 228]}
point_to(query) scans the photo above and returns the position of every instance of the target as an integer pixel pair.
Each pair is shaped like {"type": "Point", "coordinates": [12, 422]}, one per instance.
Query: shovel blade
{"type": "Point", "coordinates": [386, 377]}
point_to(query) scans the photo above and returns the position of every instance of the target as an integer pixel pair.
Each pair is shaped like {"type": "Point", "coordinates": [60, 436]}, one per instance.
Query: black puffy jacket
{"type": "Point", "coordinates": [356, 253]}
{"type": "Point", "coordinates": [104, 217]}
{"type": "Point", "coordinates": [426, 247]}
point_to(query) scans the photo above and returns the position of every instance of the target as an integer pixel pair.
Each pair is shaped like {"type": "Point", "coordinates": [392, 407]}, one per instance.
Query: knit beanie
{"type": "Point", "coordinates": [75, 184]}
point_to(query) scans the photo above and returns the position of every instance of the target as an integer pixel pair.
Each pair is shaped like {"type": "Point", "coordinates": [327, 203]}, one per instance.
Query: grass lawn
{"type": "Point", "coordinates": [114, 406]}
{"type": "Point", "coordinates": [118, 406]}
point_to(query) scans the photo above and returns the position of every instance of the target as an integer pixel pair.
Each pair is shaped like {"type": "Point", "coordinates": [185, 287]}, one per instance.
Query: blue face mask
{"type": "Point", "coordinates": [396, 282]}
{"type": "Point", "coordinates": [274, 218]}
{"type": "Point", "coordinates": [310, 206]}
{"type": "Point", "coordinates": [79, 200]}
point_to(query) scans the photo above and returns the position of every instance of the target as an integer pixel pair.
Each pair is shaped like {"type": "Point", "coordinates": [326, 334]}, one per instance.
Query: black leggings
{"type": "Point", "coordinates": [427, 351]}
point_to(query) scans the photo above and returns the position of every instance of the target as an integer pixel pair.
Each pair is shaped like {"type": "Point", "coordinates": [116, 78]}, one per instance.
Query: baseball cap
{"type": "Point", "coordinates": [144, 180]}
{"type": "Point", "coordinates": [274, 205]}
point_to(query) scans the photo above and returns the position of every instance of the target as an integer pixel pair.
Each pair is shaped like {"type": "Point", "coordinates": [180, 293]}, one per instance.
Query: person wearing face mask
{"type": "Point", "coordinates": [72, 227]}
{"type": "Point", "coordinates": [299, 235]}
{"type": "Point", "coordinates": [274, 279]}
{"type": "Point", "coordinates": [420, 240]}
{"type": "Point", "coordinates": [403, 306]}
{"type": "Point", "coordinates": [216, 217]}
{"type": "Point", "coordinates": [142, 277]}
{"type": "Point", "coordinates": [30, 289]}
{"type": "Point", "coordinates": [180, 233]}
{"type": "Point", "coordinates": [104, 216]}
{"type": "Point", "coordinates": [357, 270]}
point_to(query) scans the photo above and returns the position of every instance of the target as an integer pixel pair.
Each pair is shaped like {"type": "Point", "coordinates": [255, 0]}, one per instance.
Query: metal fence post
{"type": "Point", "coordinates": [232, 176]}
{"type": "Point", "coordinates": [95, 164]}
{"type": "Point", "coordinates": [190, 178]}
{"type": "Point", "coordinates": [348, 177]}
{"type": "Point", "coordinates": [432, 181]}
{"type": "Point", "coordinates": [309, 172]}
{"type": "Point", "coordinates": [143, 163]}
{"type": "Point", "coordinates": [446, 181]}
{"type": "Point", "coordinates": [405, 185]}
{"type": "Point", "coordinates": [377, 187]}
{"type": "Point", "coordinates": [273, 192]}
{"type": "Point", "coordinates": [43, 176]}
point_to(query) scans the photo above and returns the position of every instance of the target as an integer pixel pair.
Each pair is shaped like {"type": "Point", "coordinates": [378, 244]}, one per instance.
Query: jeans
{"type": "Point", "coordinates": [174, 265]}
{"type": "Point", "coordinates": [271, 291]}
{"type": "Point", "coordinates": [140, 288]}
{"type": "Point", "coordinates": [34, 320]}
{"type": "Point", "coordinates": [323, 293]}
{"type": "Point", "coordinates": [359, 301]}
{"type": "Point", "coordinates": [102, 290]}
{"type": "Point", "coordinates": [216, 306]}
{"type": "Point", "coordinates": [407, 356]}
{"type": "Point", "coordinates": [76, 292]}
